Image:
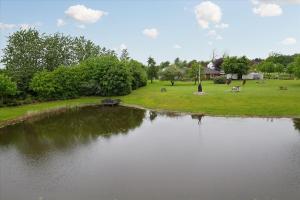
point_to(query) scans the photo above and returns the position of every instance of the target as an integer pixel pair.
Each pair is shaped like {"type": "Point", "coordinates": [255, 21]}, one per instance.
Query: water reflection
{"type": "Point", "coordinates": [63, 130]}
{"type": "Point", "coordinates": [297, 123]}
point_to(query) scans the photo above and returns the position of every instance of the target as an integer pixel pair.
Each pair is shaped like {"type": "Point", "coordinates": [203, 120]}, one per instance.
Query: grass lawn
{"type": "Point", "coordinates": [264, 99]}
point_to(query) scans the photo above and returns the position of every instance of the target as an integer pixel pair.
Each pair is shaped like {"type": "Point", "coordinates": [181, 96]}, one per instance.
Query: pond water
{"type": "Point", "coordinates": [119, 153]}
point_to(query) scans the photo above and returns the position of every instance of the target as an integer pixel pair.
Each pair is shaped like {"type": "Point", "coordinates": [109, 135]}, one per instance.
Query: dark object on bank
{"type": "Point", "coordinates": [282, 88]}
{"type": "Point", "coordinates": [163, 90]}
{"type": "Point", "coordinates": [110, 102]}
{"type": "Point", "coordinates": [199, 87]}
{"type": "Point", "coordinates": [244, 81]}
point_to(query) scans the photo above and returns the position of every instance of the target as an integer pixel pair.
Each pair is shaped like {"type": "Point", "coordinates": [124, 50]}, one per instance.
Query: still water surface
{"type": "Point", "coordinates": [100, 153]}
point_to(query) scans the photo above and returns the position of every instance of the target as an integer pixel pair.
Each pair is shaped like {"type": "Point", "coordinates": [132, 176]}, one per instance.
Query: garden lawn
{"type": "Point", "coordinates": [255, 99]}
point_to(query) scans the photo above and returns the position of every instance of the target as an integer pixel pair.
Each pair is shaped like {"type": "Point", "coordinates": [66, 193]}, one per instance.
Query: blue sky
{"type": "Point", "coordinates": [165, 29]}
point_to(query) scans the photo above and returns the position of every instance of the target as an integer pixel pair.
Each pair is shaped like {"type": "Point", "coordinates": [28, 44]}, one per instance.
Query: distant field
{"type": "Point", "coordinates": [255, 99]}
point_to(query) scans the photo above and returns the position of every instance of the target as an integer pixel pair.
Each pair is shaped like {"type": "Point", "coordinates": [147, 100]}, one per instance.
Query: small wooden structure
{"type": "Point", "coordinates": [110, 102]}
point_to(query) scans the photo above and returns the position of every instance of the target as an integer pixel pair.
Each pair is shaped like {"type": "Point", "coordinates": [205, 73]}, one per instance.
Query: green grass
{"type": "Point", "coordinates": [11, 113]}
{"type": "Point", "coordinates": [254, 100]}
{"type": "Point", "coordinates": [263, 99]}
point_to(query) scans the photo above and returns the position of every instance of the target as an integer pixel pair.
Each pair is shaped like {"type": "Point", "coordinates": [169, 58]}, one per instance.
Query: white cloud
{"type": "Point", "coordinates": [210, 43]}
{"type": "Point", "coordinates": [83, 14]}
{"type": "Point", "coordinates": [151, 32]}
{"type": "Point", "coordinates": [177, 46]}
{"type": "Point", "coordinates": [276, 1]}
{"type": "Point", "coordinates": [4, 26]}
{"type": "Point", "coordinates": [28, 26]}
{"type": "Point", "coordinates": [267, 9]}
{"type": "Point", "coordinates": [289, 41]}
{"type": "Point", "coordinates": [214, 35]}
{"type": "Point", "coordinates": [60, 23]}
{"type": "Point", "coordinates": [222, 26]}
{"type": "Point", "coordinates": [207, 13]}
{"type": "Point", "coordinates": [81, 26]}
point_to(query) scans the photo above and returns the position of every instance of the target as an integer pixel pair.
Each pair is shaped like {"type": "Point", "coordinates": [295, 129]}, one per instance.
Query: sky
{"type": "Point", "coordinates": [164, 29]}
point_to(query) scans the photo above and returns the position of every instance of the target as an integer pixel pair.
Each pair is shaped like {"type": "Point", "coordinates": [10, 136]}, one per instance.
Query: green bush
{"type": "Point", "coordinates": [8, 88]}
{"type": "Point", "coordinates": [219, 80]}
{"type": "Point", "coordinates": [105, 76]}
{"type": "Point", "coordinates": [138, 72]}
{"type": "Point", "coordinates": [62, 83]}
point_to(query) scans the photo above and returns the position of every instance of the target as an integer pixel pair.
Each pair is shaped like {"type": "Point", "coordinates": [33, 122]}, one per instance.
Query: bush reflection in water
{"type": "Point", "coordinates": [76, 126]}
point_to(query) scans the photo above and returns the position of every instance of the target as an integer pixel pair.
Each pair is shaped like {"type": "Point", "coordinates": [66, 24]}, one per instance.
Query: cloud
{"type": "Point", "coordinates": [214, 35]}
{"type": "Point", "coordinates": [4, 26]}
{"type": "Point", "coordinates": [207, 13]}
{"type": "Point", "coordinates": [222, 26]}
{"type": "Point", "coordinates": [83, 14]}
{"type": "Point", "coordinates": [267, 9]}
{"type": "Point", "coordinates": [151, 32]}
{"type": "Point", "coordinates": [289, 41]}
{"type": "Point", "coordinates": [24, 26]}
{"type": "Point", "coordinates": [177, 46]}
{"type": "Point", "coordinates": [276, 1]}
{"type": "Point", "coordinates": [60, 23]}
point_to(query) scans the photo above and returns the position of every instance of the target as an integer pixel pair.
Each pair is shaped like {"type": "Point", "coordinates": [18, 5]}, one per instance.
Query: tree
{"type": "Point", "coordinates": [171, 74]}
{"type": "Point", "coordinates": [84, 49]}
{"type": "Point", "coordinates": [236, 65]}
{"type": "Point", "coordinates": [266, 66]}
{"type": "Point", "coordinates": [22, 56]}
{"type": "Point", "coordinates": [124, 55]}
{"type": "Point", "coordinates": [7, 88]}
{"type": "Point", "coordinates": [164, 64]}
{"type": "Point", "coordinates": [193, 71]}
{"type": "Point", "coordinates": [57, 50]}
{"type": "Point", "coordinates": [152, 70]}
{"type": "Point", "coordinates": [295, 66]}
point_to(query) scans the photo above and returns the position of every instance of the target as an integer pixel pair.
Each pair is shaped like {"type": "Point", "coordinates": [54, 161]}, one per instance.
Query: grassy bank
{"type": "Point", "coordinates": [13, 113]}
{"type": "Point", "coordinates": [263, 99]}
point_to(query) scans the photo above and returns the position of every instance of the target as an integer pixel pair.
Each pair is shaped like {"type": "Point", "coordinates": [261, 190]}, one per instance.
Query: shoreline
{"type": "Point", "coordinates": [31, 115]}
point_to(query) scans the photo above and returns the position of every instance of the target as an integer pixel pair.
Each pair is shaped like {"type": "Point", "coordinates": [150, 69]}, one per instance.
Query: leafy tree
{"type": "Point", "coordinates": [152, 70]}
{"type": "Point", "coordinates": [22, 56]}
{"type": "Point", "coordinates": [236, 65]}
{"type": "Point", "coordinates": [7, 88]}
{"type": "Point", "coordinates": [124, 55]}
{"type": "Point", "coordinates": [193, 71]}
{"type": "Point", "coordinates": [164, 64]}
{"type": "Point", "coordinates": [296, 66]}
{"type": "Point", "coordinates": [277, 58]}
{"type": "Point", "coordinates": [171, 74]}
{"type": "Point", "coordinates": [84, 49]}
{"type": "Point", "coordinates": [57, 50]}
{"type": "Point", "coordinates": [267, 67]}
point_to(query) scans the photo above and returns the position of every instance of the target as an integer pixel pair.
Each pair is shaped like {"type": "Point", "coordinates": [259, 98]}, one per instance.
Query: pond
{"type": "Point", "coordinates": [119, 153]}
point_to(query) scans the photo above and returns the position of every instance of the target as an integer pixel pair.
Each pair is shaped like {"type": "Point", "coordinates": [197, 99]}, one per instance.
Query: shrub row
{"type": "Point", "coordinates": [220, 80]}
{"type": "Point", "coordinates": [102, 76]}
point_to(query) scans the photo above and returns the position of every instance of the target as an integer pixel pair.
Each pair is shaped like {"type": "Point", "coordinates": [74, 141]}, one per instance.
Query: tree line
{"type": "Point", "coordinates": [41, 66]}
{"type": "Point", "coordinates": [48, 67]}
